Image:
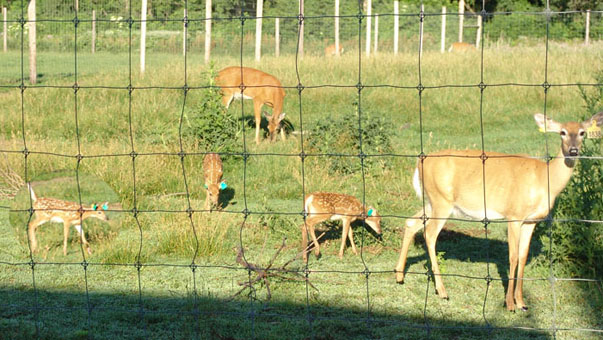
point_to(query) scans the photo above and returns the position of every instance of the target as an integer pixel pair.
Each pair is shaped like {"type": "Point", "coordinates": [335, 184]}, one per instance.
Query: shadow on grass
{"type": "Point", "coordinates": [66, 315]}
{"type": "Point", "coordinates": [471, 245]}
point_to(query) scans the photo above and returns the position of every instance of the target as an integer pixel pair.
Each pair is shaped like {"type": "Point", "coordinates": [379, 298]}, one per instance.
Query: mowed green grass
{"type": "Point", "coordinates": [165, 298]}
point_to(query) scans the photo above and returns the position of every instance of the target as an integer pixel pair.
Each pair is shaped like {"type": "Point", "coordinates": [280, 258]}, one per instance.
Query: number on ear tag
{"type": "Point", "coordinates": [593, 131]}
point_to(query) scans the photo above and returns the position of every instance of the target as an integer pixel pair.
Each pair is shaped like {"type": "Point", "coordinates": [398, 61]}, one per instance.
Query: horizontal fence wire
{"type": "Point", "coordinates": [195, 265]}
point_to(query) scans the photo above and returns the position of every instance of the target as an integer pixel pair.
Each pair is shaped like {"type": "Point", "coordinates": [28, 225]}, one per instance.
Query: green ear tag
{"type": "Point", "coordinates": [223, 186]}
{"type": "Point", "coordinates": [205, 185]}
{"type": "Point", "coordinates": [370, 212]}
{"type": "Point", "coordinates": [105, 206]}
{"type": "Point", "coordinates": [94, 206]}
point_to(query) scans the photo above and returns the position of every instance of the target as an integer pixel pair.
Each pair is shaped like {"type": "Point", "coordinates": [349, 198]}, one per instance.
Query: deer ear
{"type": "Point", "coordinates": [596, 120]}
{"type": "Point", "coordinates": [223, 185]}
{"type": "Point", "coordinates": [549, 126]}
{"type": "Point", "coordinates": [105, 206]}
{"type": "Point", "coordinates": [281, 116]}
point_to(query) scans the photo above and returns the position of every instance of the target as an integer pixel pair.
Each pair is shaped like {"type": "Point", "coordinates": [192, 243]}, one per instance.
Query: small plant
{"type": "Point", "coordinates": [213, 129]}
{"type": "Point", "coordinates": [577, 245]}
{"type": "Point", "coordinates": [343, 137]}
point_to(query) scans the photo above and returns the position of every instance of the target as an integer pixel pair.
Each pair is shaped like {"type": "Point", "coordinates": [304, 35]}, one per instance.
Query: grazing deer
{"type": "Point", "coordinates": [212, 172]}
{"type": "Point", "coordinates": [332, 51]}
{"type": "Point", "coordinates": [517, 188]}
{"type": "Point", "coordinates": [322, 206]}
{"type": "Point", "coordinates": [259, 86]}
{"type": "Point", "coordinates": [66, 212]}
{"type": "Point", "coordinates": [461, 47]}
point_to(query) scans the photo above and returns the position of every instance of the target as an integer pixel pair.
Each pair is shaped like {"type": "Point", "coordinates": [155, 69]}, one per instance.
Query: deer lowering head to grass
{"type": "Point", "coordinates": [322, 206]}
{"type": "Point", "coordinates": [212, 172]}
{"type": "Point", "coordinates": [248, 83]}
{"type": "Point", "coordinates": [516, 188]}
{"type": "Point", "coordinates": [66, 212]}
{"type": "Point", "coordinates": [331, 50]}
{"type": "Point", "coordinates": [461, 47]}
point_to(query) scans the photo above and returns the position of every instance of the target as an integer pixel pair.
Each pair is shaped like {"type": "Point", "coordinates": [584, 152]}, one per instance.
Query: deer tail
{"type": "Point", "coordinates": [31, 192]}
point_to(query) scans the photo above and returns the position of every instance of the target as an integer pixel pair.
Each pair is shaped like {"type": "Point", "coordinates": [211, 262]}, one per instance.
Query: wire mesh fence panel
{"type": "Point", "coordinates": [126, 147]}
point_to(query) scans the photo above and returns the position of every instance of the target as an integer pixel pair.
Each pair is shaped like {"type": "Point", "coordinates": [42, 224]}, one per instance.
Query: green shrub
{"type": "Point", "coordinates": [578, 246]}
{"type": "Point", "coordinates": [342, 136]}
{"type": "Point", "coordinates": [209, 124]}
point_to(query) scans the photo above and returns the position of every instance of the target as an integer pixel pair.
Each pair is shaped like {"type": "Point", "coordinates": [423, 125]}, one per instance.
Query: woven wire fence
{"type": "Point", "coordinates": [255, 314]}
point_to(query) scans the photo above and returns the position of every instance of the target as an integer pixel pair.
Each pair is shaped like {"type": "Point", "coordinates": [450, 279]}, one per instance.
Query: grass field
{"type": "Point", "coordinates": [111, 296]}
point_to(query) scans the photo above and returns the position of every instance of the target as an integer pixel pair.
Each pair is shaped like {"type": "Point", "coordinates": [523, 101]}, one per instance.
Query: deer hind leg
{"type": "Point", "coordinates": [513, 235]}
{"type": "Point", "coordinates": [413, 225]}
{"type": "Point", "coordinates": [524, 247]}
{"type": "Point", "coordinates": [432, 230]}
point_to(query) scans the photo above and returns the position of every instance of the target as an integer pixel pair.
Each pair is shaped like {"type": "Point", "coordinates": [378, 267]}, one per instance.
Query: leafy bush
{"type": "Point", "coordinates": [209, 124]}
{"type": "Point", "coordinates": [342, 136]}
{"type": "Point", "coordinates": [578, 246]}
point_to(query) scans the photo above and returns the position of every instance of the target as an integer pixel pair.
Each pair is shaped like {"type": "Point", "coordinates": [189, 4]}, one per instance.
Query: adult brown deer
{"type": "Point", "coordinates": [212, 173]}
{"type": "Point", "coordinates": [517, 188]}
{"type": "Point", "coordinates": [461, 47]}
{"type": "Point", "coordinates": [66, 212]}
{"type": "Point", "coordinates": [248, 83]}
{"type": "Point", "coordinates": [322, 206]}
{"type": "Point", "coordinates": [332, 51]}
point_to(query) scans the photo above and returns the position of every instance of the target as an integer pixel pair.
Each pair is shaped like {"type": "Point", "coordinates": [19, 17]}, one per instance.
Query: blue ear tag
{"type": "Point", "coordinates": [105, 206]}
{"type": "Point", "coordinates": [370, 212]}
{"type": "Point", "coordinates": [94, 206]}
{"type": "Point", "coordinates": [223, 186]}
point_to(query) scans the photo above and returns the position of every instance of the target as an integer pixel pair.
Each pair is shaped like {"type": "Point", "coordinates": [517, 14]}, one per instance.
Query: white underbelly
{"type": "Point", "coordinates": [56, 219]}
{"type": "Point", "coordinates": [239, 95]}
{"type": "Point", "coordinates": [478, 214]}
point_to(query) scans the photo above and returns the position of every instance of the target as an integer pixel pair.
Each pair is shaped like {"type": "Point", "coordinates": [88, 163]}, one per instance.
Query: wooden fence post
{"type": "Point", "coordinates": [258, 29]}
{"type": "Point", "coordinates": [207, 29]}
{"type": "Point", "coordinates": [184, 32]}
{"type": "Point", "coordinates": [5, 35]}
{"type": "Point", "coordinates": [421, 32]}
{"type": "Point", "coordinates": [443, 37]}
{"type": "Point", "coordinates": [93, 31]}
{"type": "Point", "coordinates": [143, 34]}
{"type": "Point", "coordinates": [368, 27]}
{"type": "Point", "coordinates": [461, 19]}
{"type": "Point", "coordinates": [479, 31]}
{"type": "Point", "coordinates": [376, 32]}
{"type": "Point", "coordinates": [277, 38]}
{"type": "Point", "coordinates": [31, 17]}
{"type": "Point", "coordinates": [300, 46]}
{"type": "Point", "coordinates": [396, 25]}
{"type": "Point", "coordinates": [337, 28]}
{"type": "Point", "coordinates": [587, 28]}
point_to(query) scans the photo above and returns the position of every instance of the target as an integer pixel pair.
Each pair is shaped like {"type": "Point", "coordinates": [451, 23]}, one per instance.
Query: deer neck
{"type": "Point", "coordinates": [560, 171]}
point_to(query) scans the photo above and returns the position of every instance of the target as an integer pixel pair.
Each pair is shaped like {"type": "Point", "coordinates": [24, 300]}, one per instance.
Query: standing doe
{"type": "Point", "coordinates": [212, 173]}
{"type": "Point", "coordinates": [517, 188]}
{"type": "Point", "coordinates": [248, 83]}
{"type": "Point", "coordinates": [322, 206]}
{"type": "Point", "coordinates": [461, 47]}
{"type": "Point", "coordinates": [332, 51]}
{"type": "Point", "coordinates": [66, 212]}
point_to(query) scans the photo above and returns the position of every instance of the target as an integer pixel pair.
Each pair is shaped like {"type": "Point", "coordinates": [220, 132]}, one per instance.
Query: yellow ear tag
{"type": "Point", "coordinates": [593, 131]}
{"type": "Point", "coordinates": [541, 129]}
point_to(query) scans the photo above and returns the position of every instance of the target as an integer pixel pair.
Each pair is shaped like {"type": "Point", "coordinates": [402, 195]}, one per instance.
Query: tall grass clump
{"type": "Point", "coordinates": [209, 126]}
{"type": "Point", "coordinates": [343, 135]}
{"type": "Point", "coordinates": [578, 246]}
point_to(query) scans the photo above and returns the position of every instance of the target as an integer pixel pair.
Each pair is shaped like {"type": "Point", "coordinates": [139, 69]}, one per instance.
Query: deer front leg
{"type": "Point", "coordinates": [304, 230]}
{"type": "Point", "coordinates": [31, 231]}
{"type": "Point", "coordinates": [412, 227]}
{"type": "Point", "coordinates": [513, 234]}
{"type": "Point", "coordinates": [65, 236]}
{"type": "Point", "coordinates": [344, 235]}
{"type": "Point", "coordinates": [432, 230]}
{"type": "Point", "coordinates": [524, 247]}
{"type": "Point", "coordinates": [351, 237]}
{"type": "Point", "coordinates": [207, 203]}
{"type": "Point", "coordinates": [257, 111]}
{"type": "Point", "coordinates": [83, 239]}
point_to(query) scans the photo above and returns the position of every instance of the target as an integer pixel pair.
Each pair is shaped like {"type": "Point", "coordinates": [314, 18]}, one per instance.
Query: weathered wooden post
{"type": "Point", "coordinates": [31, 17]}
{"type": "Point", "coordinates": [5, 37]}
{"type": "Point", "coordinates": [258, 29]}
{"type": "Point", "coordinates": [368, 27]}
{"type": "Point", "coordinates": [587, 28]}
{"type": "Point", "coordinates": [93, 31]}
{"type": "Point", "coordinates": [277, 38]}
{"type": "Point", "coordinates": [396, 25]}
{"type": "Point", "coordinates": [207, 29]}
{"type": "Point", "coordinates": [461, 19]}
{"type": "Point", "coordinates": [443, 37]}
{"type": "Point", "coordinates": [143, 34]}
{"type": "Point", "coordinates": [337, 28]}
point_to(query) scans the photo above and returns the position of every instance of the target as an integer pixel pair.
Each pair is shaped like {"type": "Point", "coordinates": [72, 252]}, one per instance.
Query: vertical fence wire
{"type": "Point", "coordinates": [307, 272]}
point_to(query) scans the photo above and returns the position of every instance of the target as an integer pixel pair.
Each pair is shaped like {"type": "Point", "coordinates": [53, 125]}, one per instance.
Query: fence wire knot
{"type": "Point", "coordinates": [25, 152]}
{"type": "Point", "coordinates": [482, 86]}
{"type": "Point", "coordinates": [546, 85]}
{"type": "Point", "coordinates": [133, 154]}
{"type": "Point", "coordinates": [300, 88]}
{"type": "Point", "coordinates": [359, 86]}
{"type": "Point", "coordinates": [76, 21]}
{"type": "Point", "coordinates": [84, 264]}
{"type": "Point", "coordinates": [75, 87]}
{"type": "Point", "coordinates": [420, 88]}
